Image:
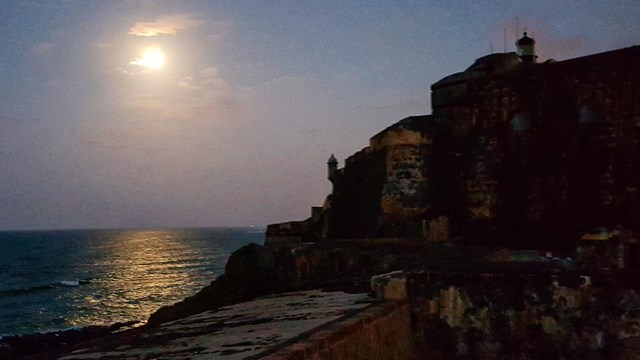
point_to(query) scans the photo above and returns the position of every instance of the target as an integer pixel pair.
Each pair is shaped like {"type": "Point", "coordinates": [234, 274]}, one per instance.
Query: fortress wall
{"type": "Point", "coordinates": [526, 158]}
{"type": "Point", "coordinates": [508, 310]}
{"type": "Point", "coordinates": [387, 186]}
{"type": "Point", "coordinates": [405, 196]}
{"type": "Point", "coordinates": [525, 316]}
{"type": "Point", "coordinates": [544, 152]}
{"type": "Point", "coordinates": [380, 332]}
{"type": "Point", "coordinates": [356, 201]}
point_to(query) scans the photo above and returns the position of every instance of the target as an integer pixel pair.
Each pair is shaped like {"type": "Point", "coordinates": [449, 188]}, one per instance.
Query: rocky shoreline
{"type": "Point", "coordinates": [16, 346]}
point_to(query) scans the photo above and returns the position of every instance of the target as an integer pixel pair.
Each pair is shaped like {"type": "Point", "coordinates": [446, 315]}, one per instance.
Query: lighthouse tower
{"type": "Point", "coordinates": [525, 49]}
{"type": "Point", "coordinates": [332, 165]}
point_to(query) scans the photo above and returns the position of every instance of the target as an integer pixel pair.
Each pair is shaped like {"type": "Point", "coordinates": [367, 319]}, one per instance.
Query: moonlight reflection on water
{"type": "Point", "coordinates": [53, 280]}
{"type": "Point", "coordinates": [141, 273]}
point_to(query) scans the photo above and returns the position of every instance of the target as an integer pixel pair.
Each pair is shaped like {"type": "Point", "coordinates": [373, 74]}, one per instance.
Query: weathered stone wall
{"type": "Point", "coordinates": [543, 152]}
{"type": "Point", "coordinates": [290, 233]}
{"type": "Point", "coordinates": [525, 315]}
{"type": "Point", "coordinates": [380, 332]}
{"type": "Point", "coordinates": [405, 200]}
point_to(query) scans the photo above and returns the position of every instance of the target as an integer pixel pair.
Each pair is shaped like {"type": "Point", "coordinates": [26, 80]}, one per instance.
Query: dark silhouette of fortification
{"type": "Point", "coordinates": [515, 153]}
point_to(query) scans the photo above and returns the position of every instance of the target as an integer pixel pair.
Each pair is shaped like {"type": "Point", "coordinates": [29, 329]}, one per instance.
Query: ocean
{"type": "Point", "coordinates": [55, 280]}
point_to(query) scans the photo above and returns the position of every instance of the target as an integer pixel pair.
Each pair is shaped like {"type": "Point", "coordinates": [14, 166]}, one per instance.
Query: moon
{"type": "Point", "coordinates": [152, 58]}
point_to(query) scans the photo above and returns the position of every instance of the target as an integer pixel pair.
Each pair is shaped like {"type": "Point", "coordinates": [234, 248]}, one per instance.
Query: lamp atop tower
{"type": "Point", "coordinates": [525, 48]}
{"type": "Point", "coordinates": [332, 160]}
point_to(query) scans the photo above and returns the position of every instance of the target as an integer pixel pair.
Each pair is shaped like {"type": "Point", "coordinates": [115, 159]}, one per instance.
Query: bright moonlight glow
{"type": "Point", "coordinates": [152, 57]}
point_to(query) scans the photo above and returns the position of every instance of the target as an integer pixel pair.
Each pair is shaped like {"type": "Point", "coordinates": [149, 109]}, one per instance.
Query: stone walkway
{"type": "Point", "coordinates": [233, 332]}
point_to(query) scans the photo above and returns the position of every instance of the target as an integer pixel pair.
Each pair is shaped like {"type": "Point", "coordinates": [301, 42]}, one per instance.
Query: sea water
{"type": "Point", "coordinates": [54, 280]}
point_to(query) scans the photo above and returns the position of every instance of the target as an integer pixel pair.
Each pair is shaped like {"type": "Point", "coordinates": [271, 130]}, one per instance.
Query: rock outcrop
{"type": "Point", "coordinates": [256, 270]}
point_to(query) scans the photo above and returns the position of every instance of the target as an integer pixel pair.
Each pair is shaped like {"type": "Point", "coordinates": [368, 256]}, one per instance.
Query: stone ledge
{"type": "Point", "coordinates": [325, 340]}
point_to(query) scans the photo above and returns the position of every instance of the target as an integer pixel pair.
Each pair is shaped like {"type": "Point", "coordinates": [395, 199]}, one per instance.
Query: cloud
{"type": "Point", "coordinates": [210, 107]}
{"type": "Point", "coordinates": [214, 38]}
{"type": "Point", "coordinates": [43, 48]}
{"type": "Point", "coordinates": [212, 80]}
{"type": "Point", "coordinates": [143, 2]}
{"type": "Point", "coordinates": [187, 83]}
{"type": "Point", "coordinates": [125, 71]}
{"type": "Point", "coordinates": [101, 45]}
{"type": "Point", "coordinates": [208, 81]}
{"type": "Point", "coordinates": [211, 71]}
{"type": "Point", "coordinates": [168, 25]}
{"type": "Point", "coordinates": [194, 98]}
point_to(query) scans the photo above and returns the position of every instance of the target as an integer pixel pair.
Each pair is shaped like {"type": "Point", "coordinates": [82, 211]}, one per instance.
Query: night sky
{"type": "Point", "coordinates": [223, 113]}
